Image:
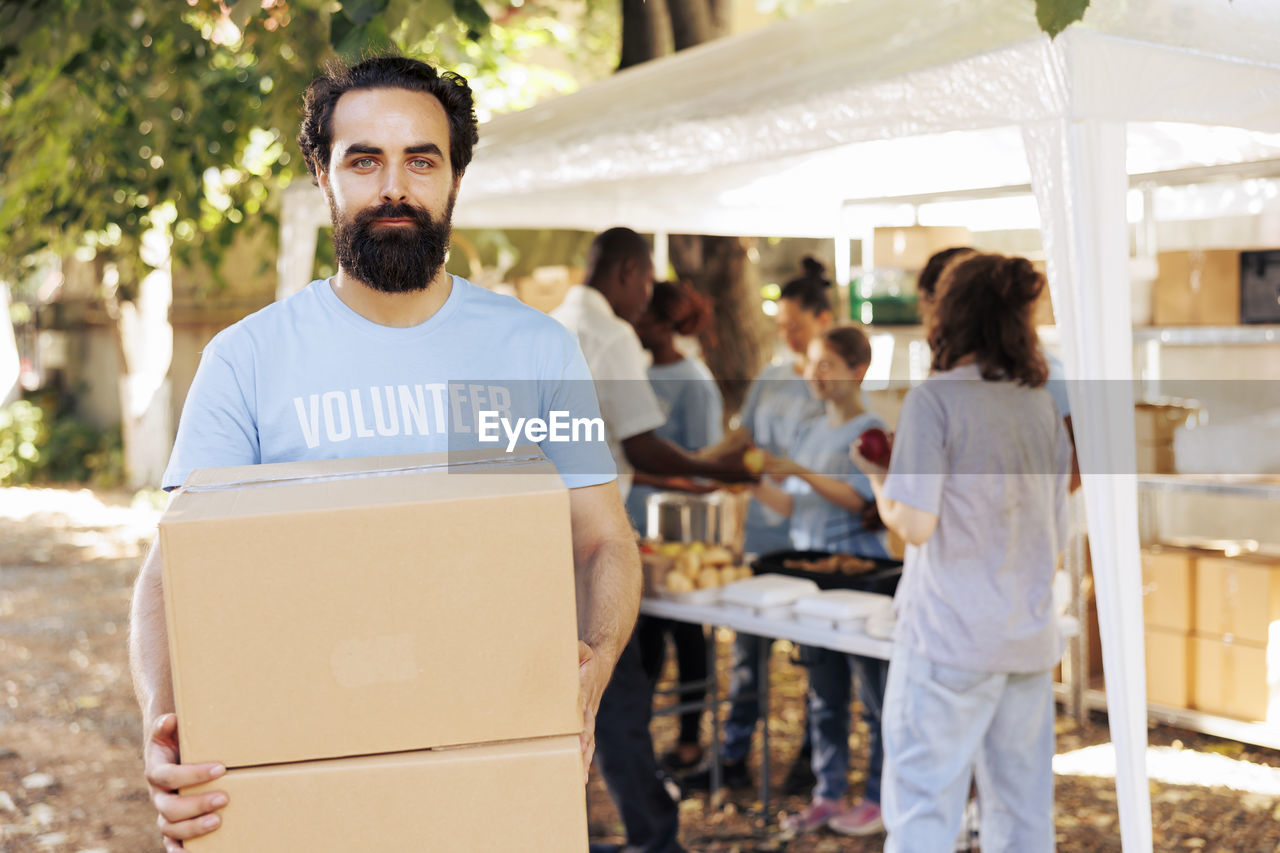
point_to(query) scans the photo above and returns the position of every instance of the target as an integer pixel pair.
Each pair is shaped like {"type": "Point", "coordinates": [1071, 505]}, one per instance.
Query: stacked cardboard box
{"type": "Point", "coordinates": [1168, 614]}
{"type": "Point", "coordinates": [1237, 642]}
{"type": "Point", "coordinates": [1154, 425]}
{"type": "Point", "coordinates": [1197, 288]}
{"type": "Point", "coordinates": [383, 653]}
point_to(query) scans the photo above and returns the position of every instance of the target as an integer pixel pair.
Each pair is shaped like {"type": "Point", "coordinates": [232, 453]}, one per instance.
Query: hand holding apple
{"type": "Point", "coordinates": [874, 447]}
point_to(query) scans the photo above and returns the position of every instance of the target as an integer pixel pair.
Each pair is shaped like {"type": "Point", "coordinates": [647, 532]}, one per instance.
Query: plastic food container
{"type": "Point", "coordinates": [845, 610]}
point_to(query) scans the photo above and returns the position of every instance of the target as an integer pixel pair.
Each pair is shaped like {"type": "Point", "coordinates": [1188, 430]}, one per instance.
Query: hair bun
{"type": "Point", "coordinates": [813, 267]}
{"type": "Point", "coordinates": [1020, 283]}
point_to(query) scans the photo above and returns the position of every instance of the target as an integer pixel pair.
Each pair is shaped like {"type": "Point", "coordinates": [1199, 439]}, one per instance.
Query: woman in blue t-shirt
{"type": "Point", "coordinates": [826, 499]}
{"type": "Point", "coordinates": [695, 411]}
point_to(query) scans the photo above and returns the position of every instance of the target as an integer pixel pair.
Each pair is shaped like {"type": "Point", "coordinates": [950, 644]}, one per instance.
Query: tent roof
{"type": "Point", "coordinates": [768, 132]}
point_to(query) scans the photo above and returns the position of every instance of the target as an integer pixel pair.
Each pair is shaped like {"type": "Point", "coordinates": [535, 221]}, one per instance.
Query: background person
{"type": "Point", "coordinates": [618, 287]}
{"type": "Point", "coordinates": [777, 403]}
{"type": "Point", "coordinates": [695, 419]}
{"type": "Point", "coordinates": [826, 498]}
{"type": "Point", "coordinates": [977, 486]}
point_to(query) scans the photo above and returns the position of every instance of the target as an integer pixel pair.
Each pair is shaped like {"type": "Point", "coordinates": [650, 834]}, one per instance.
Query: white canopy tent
{"type": "Point", "coordinates": [775, 132]}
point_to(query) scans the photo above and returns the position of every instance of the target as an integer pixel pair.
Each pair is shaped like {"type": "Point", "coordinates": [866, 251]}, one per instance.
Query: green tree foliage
{"type": "Point", "coordinates": [1054, 16]}
{"type": "Point", "coordinates": [117, 116]}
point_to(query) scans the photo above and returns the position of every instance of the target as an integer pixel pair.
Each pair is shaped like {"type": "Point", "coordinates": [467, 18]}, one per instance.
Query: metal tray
{"type": "Point", "coordinates": [883, 579]}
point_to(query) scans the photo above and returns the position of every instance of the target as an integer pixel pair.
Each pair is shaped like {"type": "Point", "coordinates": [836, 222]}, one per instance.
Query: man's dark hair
{"type": "Point", "coordinates": [612, 248]}
{"type": "Point", "coordinates": [386, 72]}
{"type": "Point", "coordinates": [809, 289]}
{"type": "Point", "coordinates": [928, 281]}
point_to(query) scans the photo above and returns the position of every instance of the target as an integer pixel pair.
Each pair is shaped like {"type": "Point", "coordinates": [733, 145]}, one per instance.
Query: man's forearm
{"type": "Point", "coordinates": [149, 642]}
{"type": "Point", "coordinates": [609, 598]}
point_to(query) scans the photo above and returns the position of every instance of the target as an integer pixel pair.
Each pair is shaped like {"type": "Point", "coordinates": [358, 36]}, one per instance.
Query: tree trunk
{"type": "Point", "coordinates": [691, 22]}
{"type": "Point", "coordinates": [644, 27]}
{"type": "Point", "coordinates": [735, 348]}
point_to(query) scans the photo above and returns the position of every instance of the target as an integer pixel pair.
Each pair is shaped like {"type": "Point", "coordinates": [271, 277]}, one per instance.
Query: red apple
{"type": "Point", "coordinates": [875, 446]}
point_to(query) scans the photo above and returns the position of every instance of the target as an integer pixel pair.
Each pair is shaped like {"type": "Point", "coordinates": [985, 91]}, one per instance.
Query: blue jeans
{"type": "Point", "coordinates": [830, 691]}
{"type": "Point", "coordinates": [740, 725]}
{"type": "Point", "coordinates": [942, 724]}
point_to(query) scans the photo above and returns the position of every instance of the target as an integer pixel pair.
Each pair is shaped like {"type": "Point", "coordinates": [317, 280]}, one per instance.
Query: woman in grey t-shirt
{"type": "Point", "coordinates": [977, 486]}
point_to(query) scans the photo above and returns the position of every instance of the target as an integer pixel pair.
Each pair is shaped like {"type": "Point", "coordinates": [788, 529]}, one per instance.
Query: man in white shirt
{"type": "Point", "coordinates": [618, 285]}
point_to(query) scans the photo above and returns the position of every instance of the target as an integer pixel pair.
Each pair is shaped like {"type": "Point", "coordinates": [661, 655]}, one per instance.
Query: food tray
{"type": "Point", "coordinates": [883, 579]}
{"type": "Point", "coordinates": [765, 592]}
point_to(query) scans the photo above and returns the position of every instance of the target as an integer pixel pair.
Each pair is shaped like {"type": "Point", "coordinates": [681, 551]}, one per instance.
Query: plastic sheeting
{"type": "Point", "coordinates": [1080, 183]}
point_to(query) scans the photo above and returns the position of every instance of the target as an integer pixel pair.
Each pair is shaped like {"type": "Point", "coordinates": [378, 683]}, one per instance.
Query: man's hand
{"type": "Point", "coordinates": [592, 681]}
{"type": "Point", "coordinates": [180, 817]}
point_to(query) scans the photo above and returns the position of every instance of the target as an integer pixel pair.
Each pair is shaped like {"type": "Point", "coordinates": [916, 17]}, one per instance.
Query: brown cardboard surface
{"type": "Point", "coordinates": [909, 247]}
{"type": "Point", "coordinates": [1237, 597]}
{"type": "Point", "coordinates": [1155, 458]}
{"type": "Point", "coordinates": [1197, 288]}
{"type": "Point", "coordinates": [1156, 422]}
{"type": "Point", "coordinates": [1168, 589]}
{"type": "Point", "coordinates": [523, 796]}
{"type": "Point", "coordinates": [1231, 679]}
{"type": "Point", "coordinates": [368, 613]}
{"type": "Point", "coordinates": [1169, 668]}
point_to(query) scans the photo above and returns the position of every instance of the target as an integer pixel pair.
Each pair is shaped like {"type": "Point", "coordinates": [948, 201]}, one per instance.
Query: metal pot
{"type": "Point", "coordinates": [717, 518]}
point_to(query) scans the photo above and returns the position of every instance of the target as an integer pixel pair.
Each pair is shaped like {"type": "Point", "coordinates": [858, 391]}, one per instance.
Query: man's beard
{"type": "Point", "coordinates": [392, 258]}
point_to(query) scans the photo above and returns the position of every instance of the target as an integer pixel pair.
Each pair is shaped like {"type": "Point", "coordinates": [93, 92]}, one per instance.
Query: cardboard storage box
{"type": "Point", "coordinates": [1197, 288]}
{"type": "Point", "coordinates": [1169, 668]}
{"type": "Point", "coordinates": [1237, 597]}
{"type": "Point", "coordinates": [1156, 421]}
{"type": "Point", "coordinates": [1233, 679]}
{"type": "Point", "coordinates": [363, 606]}
{"type": "Point", "coordinates": [1168, 589]}
{"type": "Point", "coordinates": [910, 247]}
{"type": "Point", "coordinates": [495, 798]}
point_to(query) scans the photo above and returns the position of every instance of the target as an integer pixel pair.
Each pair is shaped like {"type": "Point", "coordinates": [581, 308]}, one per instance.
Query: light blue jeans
{"type": "Point", "coordinates": [942, 724]}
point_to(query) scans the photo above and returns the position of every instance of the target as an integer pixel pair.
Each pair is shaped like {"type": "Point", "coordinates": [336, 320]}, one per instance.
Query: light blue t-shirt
{"type": "Point", "coordinates": [816, 523]}
{"type": "Point", "coordinates": [992, 461]}
{"type": "Point", "coordinates": [308, 378]}
{"type": "Point", "coordinates": [778, 401]}
{"type": "Point", "coordinates": [1057, 384]}
{"type": "Point", "coordinates": [694, 408]}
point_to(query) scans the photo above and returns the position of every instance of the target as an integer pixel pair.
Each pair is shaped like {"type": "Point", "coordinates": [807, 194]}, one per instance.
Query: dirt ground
{"type": "Point", "coordinates": [71, 777]}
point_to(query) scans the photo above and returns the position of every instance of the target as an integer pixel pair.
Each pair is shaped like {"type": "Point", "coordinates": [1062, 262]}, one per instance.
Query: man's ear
{"type": "Point", "coordinates": [322, 179]}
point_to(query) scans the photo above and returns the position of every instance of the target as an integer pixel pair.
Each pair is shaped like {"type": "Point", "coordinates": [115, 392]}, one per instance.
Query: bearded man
{"type": "Point", "coordinates": [392, 355]}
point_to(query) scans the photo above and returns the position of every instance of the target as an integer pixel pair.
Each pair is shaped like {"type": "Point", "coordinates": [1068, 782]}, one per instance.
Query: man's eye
{"type": "Point", "coordinates": [363, 163]}
{"type": "Point", "coordinates": [421, 163]}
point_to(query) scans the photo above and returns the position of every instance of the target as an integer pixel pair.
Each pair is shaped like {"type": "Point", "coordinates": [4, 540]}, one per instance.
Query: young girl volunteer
{"type": "Point", "coordinates": [977, 486]}
{"type": "Point", "coordinates": [825, 497]}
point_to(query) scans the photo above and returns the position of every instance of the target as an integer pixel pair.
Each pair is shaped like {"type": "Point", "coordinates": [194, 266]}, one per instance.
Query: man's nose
{"type": "Point", "coordinates": [393, 188]}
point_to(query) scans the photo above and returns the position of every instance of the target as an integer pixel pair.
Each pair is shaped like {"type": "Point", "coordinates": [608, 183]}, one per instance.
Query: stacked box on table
{"type": "Point", "coordinates": [1168, 612]}
{"type": "Point", "coordinates": [362, 607]}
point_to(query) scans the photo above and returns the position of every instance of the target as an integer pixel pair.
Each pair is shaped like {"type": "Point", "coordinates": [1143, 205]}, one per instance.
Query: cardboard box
{"type": "Point", "coordinates": [1232, 679]}
{"type": "Point", "coordinates": [1156, 421]}
{"type": "Point", "coordinates": [1155, 458]}
{"type": "Point", "coordinates": [1237, 597]}
{"type": "Point", "coordinates": [909, 248]}
{"type": "Point", "coordinates": [1197, 288]}
{"type": "Point", "coordinates": [364, 606]}
{"type": "Point", "coordinates": [1168, 589]}
{"type": "Point", "coordinates": [1169, 668]}
{"type": "Point", "coordinates": [525, 795]}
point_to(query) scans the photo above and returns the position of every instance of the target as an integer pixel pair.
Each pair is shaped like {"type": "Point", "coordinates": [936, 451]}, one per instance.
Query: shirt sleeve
{"type": "Point", "coordinates": [584, 460]}
{"type": "Point", "coordinates": [218, 426]}
{"type": "Point", "coordinates": [918, 467]}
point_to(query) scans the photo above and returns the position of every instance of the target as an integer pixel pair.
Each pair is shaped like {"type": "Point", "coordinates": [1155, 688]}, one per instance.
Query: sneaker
{"type": "Point", "coordinates": [862, 819]}
{"type": "Point", "coordinates": [813, 818]}
{"type": "Point", "coordinates": [733, 775]}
